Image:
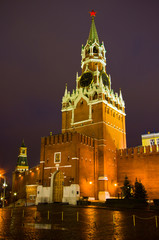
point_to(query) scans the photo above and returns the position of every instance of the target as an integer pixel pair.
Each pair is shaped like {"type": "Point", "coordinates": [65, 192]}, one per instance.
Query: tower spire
{"type": "Point", "coordinates": [93, 35]}
{"type": "Point", "coordinates": [66, 90]}
{"type": "Point", "coordinates": [23, 144]}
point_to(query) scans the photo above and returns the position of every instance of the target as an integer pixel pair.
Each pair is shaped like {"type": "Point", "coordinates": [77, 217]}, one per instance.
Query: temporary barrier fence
{"type": "Point", "coordinates": [134, 217]}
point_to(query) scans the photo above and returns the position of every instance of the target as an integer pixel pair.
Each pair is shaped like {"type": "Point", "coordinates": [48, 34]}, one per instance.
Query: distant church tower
{"type": "Point", "coordinates": [94, 109]}
{"type": "Point", "coordinates": [22, 163]}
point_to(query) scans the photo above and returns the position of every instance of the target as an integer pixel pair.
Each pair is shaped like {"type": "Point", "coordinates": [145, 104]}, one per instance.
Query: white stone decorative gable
{"type": "Point", "coordinates": [70, 101]}
{"type": "Point", "coordinates": [96, 92]}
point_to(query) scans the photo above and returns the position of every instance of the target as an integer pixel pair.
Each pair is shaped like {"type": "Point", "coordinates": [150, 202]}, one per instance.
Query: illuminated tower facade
{"type": "Point", "coordinates": [22, 163]}
{"type": "Point", "coordinates": [95, 110]}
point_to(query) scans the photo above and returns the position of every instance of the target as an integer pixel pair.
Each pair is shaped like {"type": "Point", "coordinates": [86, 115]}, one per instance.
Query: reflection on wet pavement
{"type": "Point", "coordinates": [44, 226]}
{"type": "Point", "coordinates": [38, 225]}
{"type": "Point", "coordinates": [76, 223]}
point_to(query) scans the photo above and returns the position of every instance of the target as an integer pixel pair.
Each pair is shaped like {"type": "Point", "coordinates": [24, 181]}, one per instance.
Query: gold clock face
{"type": "Point", "coordinates": [86, 79]}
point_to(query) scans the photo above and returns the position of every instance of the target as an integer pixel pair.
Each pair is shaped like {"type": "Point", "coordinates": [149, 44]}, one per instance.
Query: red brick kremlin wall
{"type": "Point", "coordinates": [20, 180]}
{"type": "Point", "coordinates": [135, 163]}
{"type": "Point", "coordinates": [77, 160]}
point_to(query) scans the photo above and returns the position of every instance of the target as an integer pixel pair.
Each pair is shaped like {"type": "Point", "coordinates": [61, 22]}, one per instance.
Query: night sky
{"type": "Point", "coordinates": [40, 51]}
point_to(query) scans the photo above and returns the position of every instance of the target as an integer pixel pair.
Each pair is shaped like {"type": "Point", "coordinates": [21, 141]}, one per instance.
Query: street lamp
{"type": "Point", "coordinates": [15, 194]}
{"type": "Point", "coordinates": [4, 189]}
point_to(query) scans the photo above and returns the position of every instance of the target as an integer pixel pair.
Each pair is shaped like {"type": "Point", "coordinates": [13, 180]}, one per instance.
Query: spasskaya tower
{"type": "Point", "coordinates": [93, 108]}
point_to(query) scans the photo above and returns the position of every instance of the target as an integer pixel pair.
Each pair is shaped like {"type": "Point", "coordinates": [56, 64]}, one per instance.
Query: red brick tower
{"type": "Point", "coordinates": [95, 110]}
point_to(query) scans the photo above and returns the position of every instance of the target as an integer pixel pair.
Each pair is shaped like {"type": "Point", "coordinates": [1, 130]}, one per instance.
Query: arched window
{"type": "Point", "coordinates": [95, 96]}
{"type": "Point", "coordinates": [95, 49]}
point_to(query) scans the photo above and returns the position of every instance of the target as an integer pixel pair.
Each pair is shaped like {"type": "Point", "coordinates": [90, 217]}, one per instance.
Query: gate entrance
{"type": "Point", "coordinates": [58, 187]}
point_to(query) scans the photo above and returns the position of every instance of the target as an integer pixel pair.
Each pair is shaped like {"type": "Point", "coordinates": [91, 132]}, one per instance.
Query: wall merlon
{"type": "Point", "coordinates": [125, 152]}
{"type": "Point", "coordinates": [147, 148]}
{"type": "Point", "coordinates": [56, 139]}
{"type": "Point", "coordinates": [89, 141]}
{"type": "Point", "coordinates": [65, 137]}
{"type": "Point", "coordinates": [92, 142]}
{"type": "Point", "coordinates": [137, 151]}
{"type": "Point", "coordinates": [154, 148]}
{"type": "Point", "coordinates": [141, 150]}
{"type": "Point", "coordinates": [60, 138]}
{"type": "Point", "coordinates": [43, 140]}
{"type": "Point", "coordinates": [130, 151]}
{"type": "Point", "coordinates": [85, 140]}
{"type": "Point", "coordinates": [69, 136]}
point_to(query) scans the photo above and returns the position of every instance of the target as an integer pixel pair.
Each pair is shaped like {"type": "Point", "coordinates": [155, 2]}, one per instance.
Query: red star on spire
{"type": "Point", "coordinates": [93, 13]}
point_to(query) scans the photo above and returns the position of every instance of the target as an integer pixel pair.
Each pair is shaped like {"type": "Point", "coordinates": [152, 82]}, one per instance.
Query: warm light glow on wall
{"type": "Point", "coordinates": [37, 168]}
{"type": "Point", "coordinates": [90, 182]}
{"type": "Point", "coordinates": [2, 172]}
{"type": "Point", "coordinates": [115, 184]}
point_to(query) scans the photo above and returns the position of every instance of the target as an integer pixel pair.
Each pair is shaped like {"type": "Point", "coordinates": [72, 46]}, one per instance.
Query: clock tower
{"type": "Point", "coordinates": [22, 163]}
{"type": "Point", "coordinates": [95, 110]}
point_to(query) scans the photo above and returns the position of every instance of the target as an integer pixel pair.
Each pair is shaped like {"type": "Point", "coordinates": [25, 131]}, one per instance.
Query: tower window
{"type": "Point", "coordinates": [152, 142]}
{"type": "Point", "coordinates": [95, 49]}
{"type": "Point", "coordinates": [95, 96]}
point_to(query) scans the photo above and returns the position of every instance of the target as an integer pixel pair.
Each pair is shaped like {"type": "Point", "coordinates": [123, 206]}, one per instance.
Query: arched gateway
{"type": "Point", "coordinates": [58, 182]}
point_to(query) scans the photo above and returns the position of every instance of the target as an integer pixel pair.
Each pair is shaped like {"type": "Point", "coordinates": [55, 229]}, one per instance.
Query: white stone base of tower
{"type": "Point", "coordinates": [102, 195]}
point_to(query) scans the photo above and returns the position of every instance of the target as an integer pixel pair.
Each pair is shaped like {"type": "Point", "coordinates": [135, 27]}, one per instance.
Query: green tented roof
{"type": "Point", "coordinates": [23, 144]}
{"type": "Point", "coordinates": [93, 35]}
{"type": "Point", "coordinates": [22, 161]}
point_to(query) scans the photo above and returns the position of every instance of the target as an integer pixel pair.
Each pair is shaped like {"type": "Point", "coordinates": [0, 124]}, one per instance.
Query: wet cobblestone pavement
{"type": "Point", "coordinates": [77, 223]}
